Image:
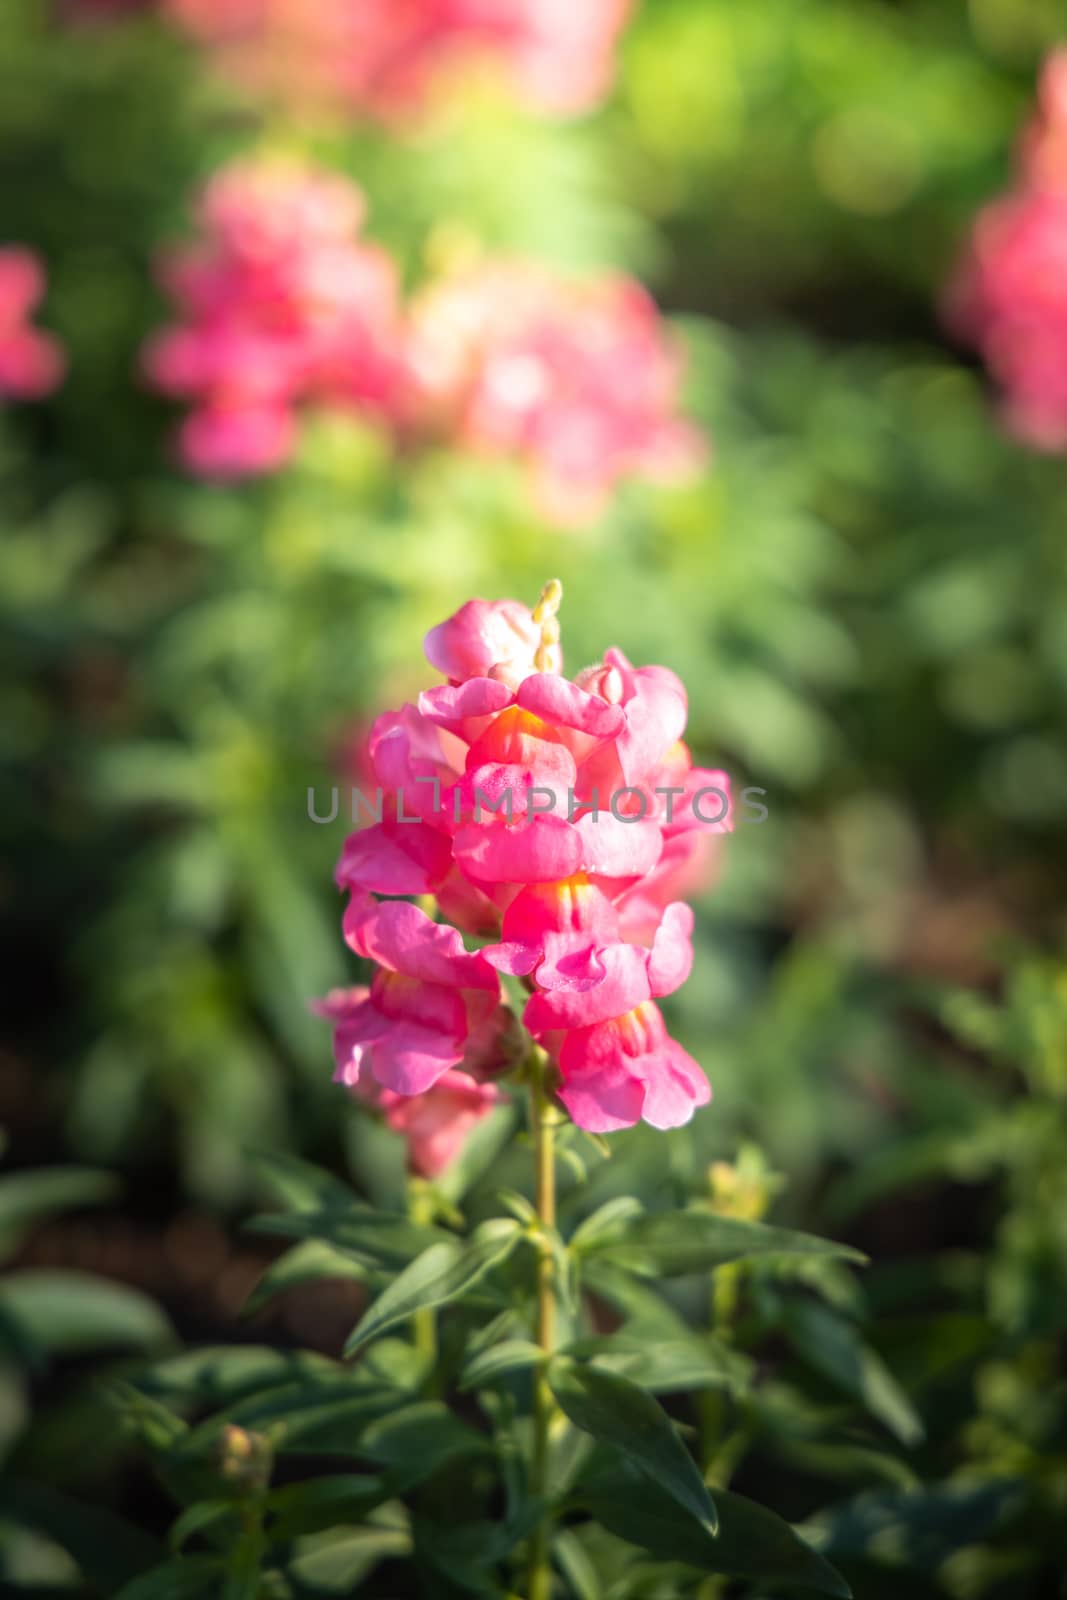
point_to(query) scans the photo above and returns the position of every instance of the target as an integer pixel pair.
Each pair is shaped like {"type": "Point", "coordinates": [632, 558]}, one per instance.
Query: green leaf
{"type": "Point", "coordinates": [321, 1416]}
{"type": "Point", "coordinates": [752, 1542]}
{"type": "Point", "coordinates": [439, 1275]}
{"type": "Point", "coordinates": [185, 1579]}
{"type": "Point", "coordinates": [576, 1565]}
{"type": "Point", "coordinates": [147, 1419]}
{"type": "Point", "coordinates": [306, 1262]}
{"type": "Point", "coordinates": [668, 1366]}
{"type": "Point", "coordinates": [606, 1223]}
{"type": "Point", "coordinates": [511, 1355]}
{"type": "Point", "coordinates": [620, 1414]}
{"type": "Point", "coordinates": [300, 1185]}
{"type": "Point", "coordinates": [847, 1462]}
{"type": "Point", "coordinates": [418, 1440]}
{"type": "Point", "coordinates": [518, 1205]}
{"type": "Point", "coordinates": [647, 1315]}
{"type": "Point", "coordinates": [335, 1562]}
{"type": "Point", "coordinates": [199, 1518]}
{"type": "Point", "coordinates": [672, 1243]}
{"type": "Point", "coordinates": [381, 1239]}
{"type": "Point", "coordinates": [322, 1503]}
{"type": "Point", "coordinates": [109, 1550]}
{"type": "Point", "coordinates": [63, 1312]}
{"type": "Point", "coordinates": [833, 1347]}
{"type": "Point", "coordinates": [223, 1373]}
{"type": "Point", "coordinates": [27, 1197]}
{"type": "Point", "coordinates": [464, 1551]}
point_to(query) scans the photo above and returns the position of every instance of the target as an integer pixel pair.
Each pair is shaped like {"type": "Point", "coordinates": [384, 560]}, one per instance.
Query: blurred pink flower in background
{"type": "Point", "coordinates": [388, 58]}
{"type": "Point", "coordinates": [1009, 294]}
{"type": "Point", "coordinates": [579, 378]}
{"type": "Point", "coordinates": [31, 362]}
{"type": "Point", "coordinates": [282, 304]}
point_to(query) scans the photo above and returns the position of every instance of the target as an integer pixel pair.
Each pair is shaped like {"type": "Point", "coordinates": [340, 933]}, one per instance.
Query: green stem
{"type": "Point", "coordinates": [424, 1322]}
{"type": "Point", "coordinates": [542, 1122]}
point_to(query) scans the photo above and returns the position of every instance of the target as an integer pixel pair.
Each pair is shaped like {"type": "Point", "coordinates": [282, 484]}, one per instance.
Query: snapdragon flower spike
{"type": "Point", "coordinates": [562, 818]}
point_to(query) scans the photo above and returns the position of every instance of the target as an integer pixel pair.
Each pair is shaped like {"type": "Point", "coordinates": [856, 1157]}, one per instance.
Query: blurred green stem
{"type": "Point", "coordinates": [242, 1581]}
{"type": "Point", "coordinates": [421, 1211]}
{"type": "Point", "coordinates": [542, 1127]}
{"type": "Point", "coordinates": [714, 1404]}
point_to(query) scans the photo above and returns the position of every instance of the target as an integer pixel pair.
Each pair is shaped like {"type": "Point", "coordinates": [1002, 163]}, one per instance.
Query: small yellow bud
{"type": "Point", "coordinates": [245, 1458]}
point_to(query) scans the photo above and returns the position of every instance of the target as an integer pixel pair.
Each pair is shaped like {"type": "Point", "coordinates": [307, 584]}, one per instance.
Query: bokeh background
{"type": "Point", "coordinates": [864, 588]}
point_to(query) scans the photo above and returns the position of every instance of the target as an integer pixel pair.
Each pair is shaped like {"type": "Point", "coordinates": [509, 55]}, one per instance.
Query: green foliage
{"type": "Point", "coordinates": [621, 1414]}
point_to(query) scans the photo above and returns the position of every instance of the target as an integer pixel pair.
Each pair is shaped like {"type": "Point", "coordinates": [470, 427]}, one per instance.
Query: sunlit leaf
{"type": "Point", "coordinates": [335, 1562]}
{"type": "Point", "coordinates": [500, 1360]}
{"type": "Point", "coordinates": [306, 1262]}
{"type": "Point", "coordinates": [440, 1275]}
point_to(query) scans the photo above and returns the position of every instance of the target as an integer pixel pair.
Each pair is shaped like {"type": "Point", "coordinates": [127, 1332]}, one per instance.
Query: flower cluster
{"type": "Point", "coordinates": [559, 819]}
{"type": "Point", "coordinates": [575, 378]}
{"type": "Point", "coordinates": [1009, 296]}
{"type": "Point", "coordinates": [388, 58]}
{"type": "Point", "coordinates": [31, 362]}
{"type": "Point", "coordinates": [282, 304]}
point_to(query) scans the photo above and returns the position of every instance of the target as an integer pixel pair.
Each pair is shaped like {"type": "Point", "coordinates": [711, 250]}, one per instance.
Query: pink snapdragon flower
{"type": "Point", "coordinates": [554, 816]}
{"type": "Point", "coordinates": [282, 305]}
{"type": "Point", "coordinates": [1009, 293]}
{"type": "Point", "coordinates": [31, 362]}
{"type": "Point", "coordinates": [390, 59]}
{"type": "Point", "coordinates": [429, 1007]}
{"type": "Point", "coordinates": [578, 379]}
{"type": "Point", "coordinates": [436, 1123]}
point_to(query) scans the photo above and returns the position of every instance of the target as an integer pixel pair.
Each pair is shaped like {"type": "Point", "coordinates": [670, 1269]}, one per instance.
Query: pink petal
{"type": "Point", "coordinates": [671, 959]}
{"type": "Point", "coordinates": [484, 634]}
{"type": "Point", "coordinates": [615, 849]}
{"type": "Point", "coordinates": [394, 858]}
{"type": "Point", "coordinates": [537, 851]}
{"type": "Point", "coordinates": [560, 701]}
{"type": "Point", "coordinates": [339, 1004]}
{"type": "Point", "coordinates": [454, 706]}
{"type": "Point", "coordinates": [675, 1086]}
{"type": "Point", "coordinates": [503, 789]}
{"type": "Point", "coordinates": [410, 1058]}
{"type": "Point", "coordinates": [602, 1101]}
{"type": "Point", "coordinates": [623, 986]}
{"type": "Point", "coordinates": [656, 711]}
{"type": "Point", "coordinates": [404, 939]}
